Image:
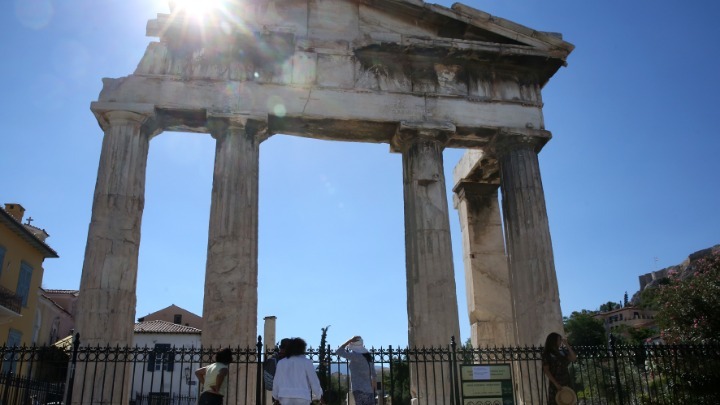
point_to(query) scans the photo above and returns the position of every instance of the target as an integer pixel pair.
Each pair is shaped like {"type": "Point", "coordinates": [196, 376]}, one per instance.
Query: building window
{"type": "Point", "coordinates": [161, 358]}
{"type": "Point", "coordinates": [2, 258]}
{"type": "Point", "coordinates": [10, 359]}
{"type": "Point", "coordinates": [23, 285]}
{"type": "Point", "coordinates": [178, 319]}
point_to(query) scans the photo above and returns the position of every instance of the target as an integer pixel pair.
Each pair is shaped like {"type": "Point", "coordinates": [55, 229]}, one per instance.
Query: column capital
{"type": "Point", "coordinates": [511, 140]}
{"type": "Point", "coordinates": [466, 189]}
{"type": "Point", "coordinates": [110, 114]}
{"type": "Point", "coordinates": [219, 123]}
{"type": "Point", "coordinates": [409, 132]}
{"type": "Point", "coordinates": [472, 191]}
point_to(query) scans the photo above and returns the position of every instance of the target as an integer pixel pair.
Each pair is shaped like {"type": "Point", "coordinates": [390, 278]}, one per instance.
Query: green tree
{"type": "Point", "coordinates": [323, 369]}
{"type": "Point", "coordinates": [648, 298]}
{"type": "Point", "coordinates": [625, 299]}
{"type": "Point", "coordinates": [627, 335]}
{"type": "Point", "coordinates": [690, 312]}
{"type": "Point", "coordinates": [584, 330]}
{"type": "Point", "coordinates": [609, 306]}
{"type": "Point", "coordinates": [399, 387]}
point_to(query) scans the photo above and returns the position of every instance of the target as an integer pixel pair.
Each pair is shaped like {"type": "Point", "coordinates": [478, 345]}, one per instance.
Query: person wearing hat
{"type": "Point", "coordinates": [362, 370]}
{"type": "Point", "coordinates": [556, 357]}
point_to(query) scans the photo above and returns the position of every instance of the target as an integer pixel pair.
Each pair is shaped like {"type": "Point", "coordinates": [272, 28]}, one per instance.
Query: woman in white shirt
{"type": "Point", "coordinates": [296, 382]}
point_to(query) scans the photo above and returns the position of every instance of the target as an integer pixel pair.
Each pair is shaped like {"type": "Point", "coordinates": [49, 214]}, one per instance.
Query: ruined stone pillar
{"type": "Point", "coordinates": [106, 303]}
{"type": "Point", "coordinates": [487, 281]}
{"type": "Point", "coordinates": [231, 277]}
{"type": "Point", "coordinates": [530, 256]}
{"type": "Point", "coordinates": [431, 294]}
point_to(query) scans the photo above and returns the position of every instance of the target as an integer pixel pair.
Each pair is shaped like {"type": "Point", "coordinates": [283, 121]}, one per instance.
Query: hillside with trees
{"type": "Point", "coordinates": [687, 301]}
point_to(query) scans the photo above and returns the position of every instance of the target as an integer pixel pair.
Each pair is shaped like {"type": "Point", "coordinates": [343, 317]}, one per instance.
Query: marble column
{"type": "Point", "coordinates": [432, 299]}
{"type": "Point", "coordinates": [431, 294]}
{"type": "Point", "coordinates": [530, 256]}
{"type": "Point", "coordinates": [487, 281]}
{"type": "Point", "coordinates": [231, 277]}
{"type": "Point", "coordinates": [106, 303]}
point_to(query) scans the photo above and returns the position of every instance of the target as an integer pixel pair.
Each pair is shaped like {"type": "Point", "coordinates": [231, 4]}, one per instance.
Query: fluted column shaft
{"type": "Point", "coordinates": [431, 294]}
{"type": "Point", "coordinates": [106, 303]}
{"type": "Point", "coordinates": [231, 278]}
{"type": "Point", "coordinates": [107, 299]}
{"type": "Point", "coordinates": [432, 299]}
{"type": "Point", "coordinates": [530, 256]}
{"type": "Point", "coordinates": [487, 282]}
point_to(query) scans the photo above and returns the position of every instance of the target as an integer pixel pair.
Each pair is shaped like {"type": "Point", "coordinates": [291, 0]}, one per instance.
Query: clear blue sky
{"type": "Point", "coordinates": [631, 174]}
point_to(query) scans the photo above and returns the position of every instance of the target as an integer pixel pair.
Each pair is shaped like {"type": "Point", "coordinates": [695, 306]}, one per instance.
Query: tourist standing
{"type": "Point", "coordinates": [296, 382]}
{"type": "Point", "coordinates": [556, 357]}
{"type": "Point", "coordinates": [362, 370]}
{"type": "Point", "coordinates": [213, 379]}
{"type": "Point", "coordinates": [270, 365]}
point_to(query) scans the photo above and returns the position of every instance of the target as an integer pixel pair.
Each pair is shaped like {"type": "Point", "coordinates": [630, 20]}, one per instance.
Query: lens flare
{"type": "Point", "coordinates": [197, 7]}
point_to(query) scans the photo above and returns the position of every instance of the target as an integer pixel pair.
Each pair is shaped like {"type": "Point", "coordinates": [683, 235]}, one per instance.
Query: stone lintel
{"type": "Point", "coordinates": [477, 166]}
{"type": "Point", "coordinates": [469, 189]}
{"type": "Point", "coordinates": [410, 131]}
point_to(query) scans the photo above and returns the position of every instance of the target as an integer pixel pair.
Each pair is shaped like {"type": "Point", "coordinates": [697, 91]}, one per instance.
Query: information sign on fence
{"type": "Point", "coordinates": [487, 384]}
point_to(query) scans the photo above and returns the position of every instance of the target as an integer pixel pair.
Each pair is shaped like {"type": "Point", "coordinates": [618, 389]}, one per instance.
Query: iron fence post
{"type": "Point", "coordinates": [613, 354]}
{"type": "Point", "coordinates": [71, 372]}
{"type": "Point", "coordinates": [258, 386]}
{"type": "Point", "coordinates": [455, 391]}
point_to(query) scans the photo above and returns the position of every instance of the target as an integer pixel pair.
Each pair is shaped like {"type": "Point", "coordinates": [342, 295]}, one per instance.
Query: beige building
{"type": "Point", "coordinates": [633, 317]}
{"type": "Point", "coordinates": [22, 253]}
{"type": "Point", "coordinates": [56, 315]}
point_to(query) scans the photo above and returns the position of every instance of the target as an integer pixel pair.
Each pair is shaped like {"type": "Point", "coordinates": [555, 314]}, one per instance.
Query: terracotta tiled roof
{"type": "Point", "coordinates": [164, 327]}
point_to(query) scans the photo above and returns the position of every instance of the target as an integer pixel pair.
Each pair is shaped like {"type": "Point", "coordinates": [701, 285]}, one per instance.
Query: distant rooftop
{"type": "Point", "coordinates": [164, 327]}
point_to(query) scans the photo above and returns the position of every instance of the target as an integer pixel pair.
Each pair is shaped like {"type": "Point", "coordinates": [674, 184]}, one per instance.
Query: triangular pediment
{"type": "Point", "coordinates": [463, 22]}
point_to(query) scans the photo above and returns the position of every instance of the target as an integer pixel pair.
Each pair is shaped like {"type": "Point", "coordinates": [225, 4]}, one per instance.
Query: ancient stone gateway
{"type": "Point", "coordinates": [417, 76]}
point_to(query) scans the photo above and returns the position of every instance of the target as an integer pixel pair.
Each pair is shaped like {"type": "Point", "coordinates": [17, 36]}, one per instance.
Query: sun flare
{"type": "Point", "coordinates": [197, 7]}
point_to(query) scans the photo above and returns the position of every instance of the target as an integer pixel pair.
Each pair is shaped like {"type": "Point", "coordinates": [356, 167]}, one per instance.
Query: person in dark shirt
{"type": "Point", "coordinates": [556, 357]}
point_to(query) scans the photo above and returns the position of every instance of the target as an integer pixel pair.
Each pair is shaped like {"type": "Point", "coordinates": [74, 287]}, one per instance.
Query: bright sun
{"type": "Point", "coordinates": [197, 7]}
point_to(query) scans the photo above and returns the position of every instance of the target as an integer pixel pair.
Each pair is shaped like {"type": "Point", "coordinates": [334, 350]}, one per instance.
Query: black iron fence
{"type": "Point", "coordinates": [622, 375]}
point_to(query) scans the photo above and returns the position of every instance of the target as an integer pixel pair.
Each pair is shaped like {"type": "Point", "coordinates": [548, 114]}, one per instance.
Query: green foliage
{"type": "Point", "coordinates": [337, 389]}
{"type": "Point", "coordinates": [690, 311]}
{"type": "Point", "coordinates": [323, 369]}
{"type": "Point", "coordinates": [584, 330]}
{"type": "Point", "coordinates": [627, 335]}
{"type": "Point", "coordinates": [609, 306]}
{"type": "Point", "coordinates": [649, 299]}
{"type": "Point", "coordinates": [399, 390]}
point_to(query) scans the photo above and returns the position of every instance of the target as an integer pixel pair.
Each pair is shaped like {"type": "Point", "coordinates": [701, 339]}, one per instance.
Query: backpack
{"type": "Point", "coordinates": [269, 372]}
